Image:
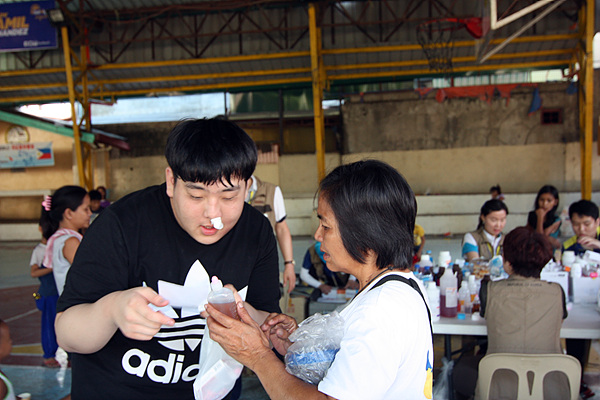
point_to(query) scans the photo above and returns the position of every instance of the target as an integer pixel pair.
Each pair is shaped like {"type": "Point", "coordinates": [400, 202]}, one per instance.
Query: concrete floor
{"type": "Point", "coordinates": [18, 309]}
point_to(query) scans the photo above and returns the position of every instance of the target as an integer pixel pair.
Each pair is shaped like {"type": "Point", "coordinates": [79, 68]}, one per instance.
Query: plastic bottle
{"type": "Point", "coordinates": [425, 264]}
{"type": "Point", "coordinates": [433, 293]}
{"type": "Point", "coordinates": [444, 259]}
{"type": "Point", "coordinates": [222, 298]}
{"type": "Point", "coordinates": [464, 298]}
{"type": "Point", "coordinates": [448, 294]}
{"type": "Point", "coordinates": [476, 304]}
{"type": "Point", "coordinates": [473, 289]}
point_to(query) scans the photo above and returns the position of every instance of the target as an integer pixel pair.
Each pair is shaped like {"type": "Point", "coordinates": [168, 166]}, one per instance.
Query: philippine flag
{"type": "Point", "coordinates": [44, 154]}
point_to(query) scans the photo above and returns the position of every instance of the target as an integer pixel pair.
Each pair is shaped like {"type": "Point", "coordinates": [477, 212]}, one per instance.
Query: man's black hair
{"type": "Point", "coordinates": [210, 151]}
{"type": "Point", "coordinates": [585, 208]}
{"type": "Point", "coordinates": [375, 209]}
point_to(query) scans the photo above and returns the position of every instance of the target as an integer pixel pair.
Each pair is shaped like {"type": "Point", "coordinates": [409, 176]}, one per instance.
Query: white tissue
{"type": "Point", "coordinates": [217, 223]}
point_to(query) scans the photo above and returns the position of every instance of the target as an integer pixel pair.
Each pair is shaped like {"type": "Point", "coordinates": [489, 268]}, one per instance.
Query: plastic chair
{"type": "Point", "coordinates": [525, 364]}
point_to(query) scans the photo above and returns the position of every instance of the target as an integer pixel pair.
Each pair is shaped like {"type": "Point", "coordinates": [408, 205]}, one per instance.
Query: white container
{"type": "Point", "coordinates": [222, 298]}
{"type": "Point", "coordinates": [425, 261]}
{"type": "Point", "coordinates": [448, 294]}
{"type": "Point", "coordinates": [568, 258]}
{"type": "Point", "coordinates": [433, 293]}
{"type": "Point", "coordinates": [444, 259]}
{"type": "Point", "coordinates": [591, 257]}
{"type": "Point", "coordinates": [576, 270]}
{"type": "Point", "coordinates": [585, 290]}
{"type": "Point", "coordinates": [560, 277]}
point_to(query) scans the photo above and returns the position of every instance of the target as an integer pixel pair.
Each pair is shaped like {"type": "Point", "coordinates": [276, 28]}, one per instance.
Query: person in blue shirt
{"type": "Point", "coordinates": [315, 273]}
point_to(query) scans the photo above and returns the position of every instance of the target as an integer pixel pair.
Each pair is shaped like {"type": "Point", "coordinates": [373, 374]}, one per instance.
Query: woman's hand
{"type": "Point", "coordinates": [242, 340]}
{"type": "Point", "coordinates": [279, 327]}
{"type": "Point", "coordinates": [540, 213]}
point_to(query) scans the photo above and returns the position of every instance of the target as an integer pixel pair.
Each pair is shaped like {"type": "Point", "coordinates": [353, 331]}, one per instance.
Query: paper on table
{"type": "Point", "coordinates": [183, 296]}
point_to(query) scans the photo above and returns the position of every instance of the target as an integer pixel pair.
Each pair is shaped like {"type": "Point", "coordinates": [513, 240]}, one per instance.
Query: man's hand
{"type": "Point", "coordinates": [133, 316]}
{"type": "Point", "coordinates": [589, 243]}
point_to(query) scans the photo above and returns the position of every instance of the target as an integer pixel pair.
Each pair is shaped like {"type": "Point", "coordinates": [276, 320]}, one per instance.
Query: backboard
{"type": "Point", "coordinates": [494, 18]}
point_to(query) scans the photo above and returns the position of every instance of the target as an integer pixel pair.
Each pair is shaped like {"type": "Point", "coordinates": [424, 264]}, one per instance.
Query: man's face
{"type": "Point", "coordinates": [584, 225]}
{"type": "Point", "coordinates": [195, 204]}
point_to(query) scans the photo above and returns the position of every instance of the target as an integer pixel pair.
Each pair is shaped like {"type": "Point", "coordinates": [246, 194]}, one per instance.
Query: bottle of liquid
{"type": "Point", "coordinates": [425, 264]}
{"type": "Point", "coordinates": [464, 298]}
{"type": "Point", "coordinates": [476, 304]}
{"type": "Point", "coordinates": [434, 301]}
{"type": "Point", "coordinates": [222, 298]}
{"type": "Point", "coordinates": [473, 287]}
{"type": "Point", "coordinates": [448, 294]}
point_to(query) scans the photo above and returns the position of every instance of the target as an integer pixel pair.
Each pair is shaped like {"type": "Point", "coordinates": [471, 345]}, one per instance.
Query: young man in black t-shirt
{"type": "Point", "coordinates": [127, 341]}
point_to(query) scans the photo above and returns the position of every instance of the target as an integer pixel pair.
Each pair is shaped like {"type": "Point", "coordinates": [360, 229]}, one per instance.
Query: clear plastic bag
{"type": "Point", "coordinates": [218, 371]}
{"type": "Point", "coordinates": [315, 344]}
{"type": "Point", "coordinates": [441, 386]}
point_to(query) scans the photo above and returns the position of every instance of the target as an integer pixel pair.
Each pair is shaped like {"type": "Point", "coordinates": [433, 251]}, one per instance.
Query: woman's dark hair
{"type": "Point", "coordinates": [45, 224]}
{"type": "Point", "coordinates": [489, 207]}
{"type": "Point", "coordinates": [210, 150]}
{"type": "Point", "coordinates": [375, 209]}
{"type": "Point", "coordinates": [70, 197]}
{"type": "Point", "coordinates": [527, 251]}
{"type": "Point", "coordinates": [550, 215]}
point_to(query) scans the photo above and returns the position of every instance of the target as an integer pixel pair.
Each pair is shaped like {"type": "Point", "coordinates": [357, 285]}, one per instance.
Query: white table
{"type": "Point", "coordinates": [583, 322]}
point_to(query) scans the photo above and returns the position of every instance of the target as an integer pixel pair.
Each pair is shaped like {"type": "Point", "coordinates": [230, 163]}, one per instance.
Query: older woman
{"type": "Point", "coordinates": [367, 214]}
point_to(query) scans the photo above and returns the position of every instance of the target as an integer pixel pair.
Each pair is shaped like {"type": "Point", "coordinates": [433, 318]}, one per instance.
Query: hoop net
{"type": "Point", "coordinates": [436, 39]}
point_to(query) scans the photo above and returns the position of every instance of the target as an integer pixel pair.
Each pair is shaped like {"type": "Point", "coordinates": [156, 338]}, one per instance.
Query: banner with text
{"type": "Point", "coordinates": [25, 26]}
{"type": "Point", "coordinates": [21, 155]}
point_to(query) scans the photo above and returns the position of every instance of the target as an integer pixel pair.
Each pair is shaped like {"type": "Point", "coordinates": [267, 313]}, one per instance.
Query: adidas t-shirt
{"type": "Point", "coordinates": [135, 241]}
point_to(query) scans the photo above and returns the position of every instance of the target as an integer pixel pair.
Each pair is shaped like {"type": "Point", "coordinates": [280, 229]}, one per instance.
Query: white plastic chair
{"type": "Point", "coordinates": [521, 364]}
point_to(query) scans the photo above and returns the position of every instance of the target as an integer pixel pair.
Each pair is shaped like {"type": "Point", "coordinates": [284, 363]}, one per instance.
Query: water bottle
{"type": "Point", "coordinates": [473, 287]}
{"type": "Point", "coordinates": [464, 298]}
{"type": "Point", "coordinates": [425, 264]}
{"type": "Point", "coordinates": [222, 298]}
{"type": "Point", "coordinates": [433, 293]}
{"type": "Point", "coordinates": [448, 294]}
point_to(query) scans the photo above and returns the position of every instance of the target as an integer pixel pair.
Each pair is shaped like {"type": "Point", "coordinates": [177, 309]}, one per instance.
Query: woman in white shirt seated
{"type": "Point", "coordinates": [487, 240]}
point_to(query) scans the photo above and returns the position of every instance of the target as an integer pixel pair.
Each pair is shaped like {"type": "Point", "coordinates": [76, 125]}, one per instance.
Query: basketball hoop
{"type": "Point", "coordinates": [436, 39]}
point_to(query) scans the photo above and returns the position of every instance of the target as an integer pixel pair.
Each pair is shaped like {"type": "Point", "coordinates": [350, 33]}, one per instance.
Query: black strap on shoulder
{"type": "Point", "coordinates": [410, 282]}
